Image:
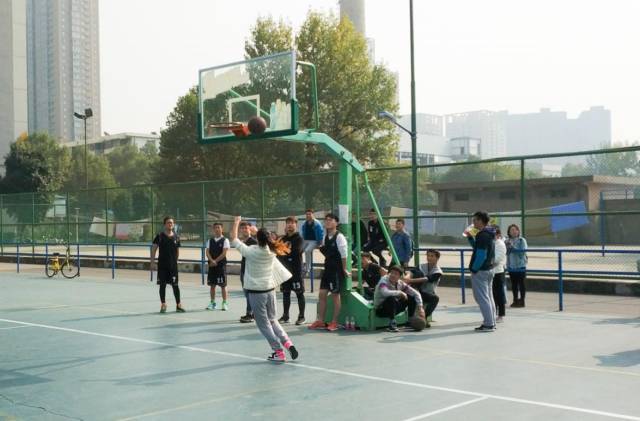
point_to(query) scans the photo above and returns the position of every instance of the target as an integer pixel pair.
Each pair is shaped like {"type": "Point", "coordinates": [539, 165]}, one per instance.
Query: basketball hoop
{"type": "Point", "coordinates": [238, 129]}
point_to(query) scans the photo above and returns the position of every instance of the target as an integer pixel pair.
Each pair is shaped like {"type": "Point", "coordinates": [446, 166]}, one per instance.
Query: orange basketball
{"type": "Point", "coordinates": [257, 125]}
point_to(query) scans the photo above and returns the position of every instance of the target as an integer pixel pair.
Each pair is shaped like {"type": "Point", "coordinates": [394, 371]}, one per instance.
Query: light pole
{"type": "Point", "coordinates": [414, 137]}
{"type": "Point", "coordinates": [88, 113]}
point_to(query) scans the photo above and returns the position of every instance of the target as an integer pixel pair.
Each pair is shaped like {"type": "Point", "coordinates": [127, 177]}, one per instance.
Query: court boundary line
{"type": "Point", "coordinates": [335, 371]}
{"type": "Point", "coordinates": [446, 409]}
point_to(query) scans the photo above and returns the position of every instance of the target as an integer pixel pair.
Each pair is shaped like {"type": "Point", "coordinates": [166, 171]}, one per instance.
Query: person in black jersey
{"type": "Point", "coordinates": [168, 243]}
{"type": "Point", "coordinates": [334, 248]}
{"type": "Point", "coordinates": [246, 236]}
{"type": "Point", "coordinates": [217, 257]}
{"type": "Point", "coordinates": [377, 242]}
{"type": "Point", "coordinates": [293, 262]}
{"type": "Point", "coordinates": [371, 274]}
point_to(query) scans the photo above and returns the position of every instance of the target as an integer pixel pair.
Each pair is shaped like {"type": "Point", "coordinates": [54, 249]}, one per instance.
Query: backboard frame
{"type": "Point", "coordinates": [209, 140]}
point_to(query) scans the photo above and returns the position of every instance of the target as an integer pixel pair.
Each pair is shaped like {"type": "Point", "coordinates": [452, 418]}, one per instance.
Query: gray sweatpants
{"type": "Point", "coordinates": [264, 311]}
{"type": "Point", "coordinates": [482, 284]}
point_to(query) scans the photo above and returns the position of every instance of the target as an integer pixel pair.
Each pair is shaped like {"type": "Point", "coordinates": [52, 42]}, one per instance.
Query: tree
{"type": "Point", "coordinates": [130, 165]}
{"type": "Point", "coordinates": [619, 164]}
{"type": "Point", "coordinates": [351, 89]}
{"type": "Point", "coordinates": [98, 168]}
{"type": "Point", "coordinates": [492, 171]}
{"type": "Point", "coordinates": [35, 163]}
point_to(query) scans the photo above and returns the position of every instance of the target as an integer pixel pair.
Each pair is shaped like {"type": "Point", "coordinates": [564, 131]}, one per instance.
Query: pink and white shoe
{"type": "Point", "coordinates": [277, 357]}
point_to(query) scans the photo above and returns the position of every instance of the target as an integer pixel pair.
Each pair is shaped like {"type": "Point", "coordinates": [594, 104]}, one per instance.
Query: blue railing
{"type": "Point", "coordinates": [462, 270]}
{"type": "Point", "coordinates": [112, 257]}
{"type": "Point", "coordinates": [560, 272]}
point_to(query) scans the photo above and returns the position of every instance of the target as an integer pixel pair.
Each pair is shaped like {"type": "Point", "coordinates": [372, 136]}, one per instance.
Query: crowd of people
{"type": "Point", "coordinates": [270, 261]}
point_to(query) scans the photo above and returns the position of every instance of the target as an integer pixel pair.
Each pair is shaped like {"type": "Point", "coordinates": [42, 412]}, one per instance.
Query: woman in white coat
{"type": "Point", "coordinates": [263, 273]}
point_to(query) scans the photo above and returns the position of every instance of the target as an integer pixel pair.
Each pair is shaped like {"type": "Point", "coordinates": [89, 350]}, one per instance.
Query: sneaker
{"type": "Point", "coordinates": [294, 352]}
{"type": "Point", "coordinates": [332, 327]}
{"type": "Point", "coordinates": [393, 326]}
{"type": "Point", "coordinates": [277, 357]}
{"type": "Point", "coordinates": [301, 320]}
{"type": "Point", "coordinates": [212, 306]}
{"type": "Point", "coordinates": [283, 319]}
{"type": "Point", "coordinates": [163, 308]}
{"type": "Point", "coordinates": [179, 309]}
{"type": "Point", "coordinates": [427, 325]}
{"type": "Point", "coordinates": [500, 319]}
{"type": "Point", "coordinates": [318, 325]}
{"type": "Point", "coordinates": [484, 328]}
{"type": "Point", "coordinates": [225, 306]}
{"type": "Point", "coordinates": [247, 318]}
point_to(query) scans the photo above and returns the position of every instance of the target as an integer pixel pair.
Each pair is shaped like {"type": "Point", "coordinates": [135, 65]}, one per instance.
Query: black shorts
{"type": "Point", "coordinates": [166, 276]}
{"type": "Point", "coordinates": [332, 280]}
{"type": "Point", "coordinates": [295, 285]}
{"type": "Point", "coordinates": [217, 276]}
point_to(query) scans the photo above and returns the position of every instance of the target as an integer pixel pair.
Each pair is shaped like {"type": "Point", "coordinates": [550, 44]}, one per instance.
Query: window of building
{"type": "Point", "coordinates": [559, 193]}
{"type": "Point", "coordinates": [461, 197]}
{"type": "Point", "coordinates": [507, 195]}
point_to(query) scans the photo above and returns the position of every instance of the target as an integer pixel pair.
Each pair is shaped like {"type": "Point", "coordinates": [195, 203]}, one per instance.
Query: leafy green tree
{"type": "Point", "coordinates": [492, 171]}
{"type": "Point", "coordinates": [98, 168]}
{"type": "Point", "coordinates": [351, 92]}
{"type": "Point", "coordinates": [130, 165]}
{"type": "Point", "coordinates": [35, 163]}
{"type": "Point", "coordinates": [619, 164]}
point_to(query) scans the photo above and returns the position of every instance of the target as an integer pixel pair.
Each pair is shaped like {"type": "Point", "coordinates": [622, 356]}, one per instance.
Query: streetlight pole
{"type": "Point", "coordinates": [88, 113]}
{"type": "Point", "coordinates": [414, 147]}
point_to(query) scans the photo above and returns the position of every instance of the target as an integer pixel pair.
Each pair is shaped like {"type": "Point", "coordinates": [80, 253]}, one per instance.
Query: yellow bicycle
{"type": "Point", "coordinates": [56, 263]}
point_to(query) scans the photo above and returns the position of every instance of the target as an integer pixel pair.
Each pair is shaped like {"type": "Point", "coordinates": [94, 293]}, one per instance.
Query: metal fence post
{"type": "Point", "coordinates": [462, 280]}
{"type": "Point", "coordinates": [150, 269]}
{"type": "Point", "coordinates": [522, 198]}
{"type": "Point", "coordinates": [311, 271]}
{"type": "Point", "coordinates": [46, 252]}
{"type": "Point", "coordinates": [78, 257]}
{"type": "Point", "coordinates": [202, 249]}
{"type": "Point", "coordinates": [33, 225]}
{"type": "Point", "coordinates": [113, 261]}
{"type": "Point", "coordinates": [18, 257]}
{"type": "Point", "coordinates": [262, 202]}
{"type": "Point", "coordinates": [560, 283]}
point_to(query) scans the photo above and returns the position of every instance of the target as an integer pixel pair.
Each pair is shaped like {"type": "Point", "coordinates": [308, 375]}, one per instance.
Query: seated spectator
{"type": "Point", "coordinates": [371, 274]}
{"type": "Point", "coordinates": [427, 280]}
{"type": "Point", "coordinates": [392, 296]}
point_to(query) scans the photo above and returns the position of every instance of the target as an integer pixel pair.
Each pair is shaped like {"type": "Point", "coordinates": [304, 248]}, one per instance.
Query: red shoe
{"type": "Point", "coordinates": [332, 327]}
{"type": "Point", "coordinates": [317, 325]}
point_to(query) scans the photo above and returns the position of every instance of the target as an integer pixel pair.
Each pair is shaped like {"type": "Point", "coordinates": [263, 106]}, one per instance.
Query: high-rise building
{"type": "Point", "coordinates": [354, 10]}
{"type": "Point", "coordinates": [63, 67]}
{"type": "Point", "coordinates": [13, 73]}
{"type": "Point", "coordinates": [431, 145]}
{"type": "Point", "coordinates": [488, 126]}
{"type": "Point", "coordinates": [551, 131]}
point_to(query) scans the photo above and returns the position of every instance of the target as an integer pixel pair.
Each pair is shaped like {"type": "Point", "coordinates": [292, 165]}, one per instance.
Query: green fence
{"type": "Point", "coordinates": [581, 200]}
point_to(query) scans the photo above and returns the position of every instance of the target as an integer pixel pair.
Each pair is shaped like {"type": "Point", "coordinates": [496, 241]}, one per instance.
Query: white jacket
{"type": "Point", "coordinates": [263, 271]}
{"type": "Point", "coordinates": [500, 259]}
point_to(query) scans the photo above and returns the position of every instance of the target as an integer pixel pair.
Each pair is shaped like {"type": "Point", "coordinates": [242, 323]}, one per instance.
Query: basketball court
{"type": "Point", "coordinates": [93, 348]}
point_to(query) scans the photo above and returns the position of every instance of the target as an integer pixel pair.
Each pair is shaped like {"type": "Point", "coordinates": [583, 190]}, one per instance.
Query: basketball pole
{"type": "Point", "coordinates": [414, 152]}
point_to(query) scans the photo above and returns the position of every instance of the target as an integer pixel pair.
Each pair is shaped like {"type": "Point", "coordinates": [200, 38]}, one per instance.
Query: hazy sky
{"type": "Point", "coordinates": [492, 54]}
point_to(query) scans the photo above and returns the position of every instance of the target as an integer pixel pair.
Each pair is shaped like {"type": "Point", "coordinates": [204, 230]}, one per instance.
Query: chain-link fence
{"type": "Point", "coordinates": [581, 201]}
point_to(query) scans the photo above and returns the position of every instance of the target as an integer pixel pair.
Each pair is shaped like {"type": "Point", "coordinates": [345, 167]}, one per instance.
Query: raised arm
{"type": "Point", "coordinates": [234, 228]}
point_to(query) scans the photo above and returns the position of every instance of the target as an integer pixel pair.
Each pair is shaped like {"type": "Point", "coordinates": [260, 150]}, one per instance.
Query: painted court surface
{"type": "Point", "coordinates": [94, 349]}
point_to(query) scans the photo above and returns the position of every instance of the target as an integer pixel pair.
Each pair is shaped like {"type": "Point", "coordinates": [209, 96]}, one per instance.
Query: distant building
{"type": "Point", "coordinates": [553, 132]}
{"type": "Point", "coordinates": [13, 73]}
{"type": "Point", "coordinates": [552, 196]}
{"type": "Point", "coordinates": [355, 11]}
{"type": "Point", "coordinates": [488, 126]}
{"type": "Point", "coordinates": [431, 145]}
{"type": "Point", "coordinates": [105, 144]}
{"type": "Point", "coordinates": [63, 64]}
{"type": "Point", "coordinates": [463, 148]}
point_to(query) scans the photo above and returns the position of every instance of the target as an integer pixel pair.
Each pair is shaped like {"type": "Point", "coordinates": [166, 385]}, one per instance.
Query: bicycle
{"type": "Point", "coordinates": [65, 265]}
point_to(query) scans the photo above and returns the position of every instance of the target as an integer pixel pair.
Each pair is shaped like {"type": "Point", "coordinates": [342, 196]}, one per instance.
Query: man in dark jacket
{"type": "Point", "coordinates": [377, 242]}
{"type": "Point", "coordinates": [481, 267]}
{"type": "Point", "coordinates": [293, 262]}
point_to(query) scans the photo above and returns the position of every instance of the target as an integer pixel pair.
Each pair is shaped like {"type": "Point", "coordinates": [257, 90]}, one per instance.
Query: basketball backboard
{"type": "Point", "coordinates": [232, 94]}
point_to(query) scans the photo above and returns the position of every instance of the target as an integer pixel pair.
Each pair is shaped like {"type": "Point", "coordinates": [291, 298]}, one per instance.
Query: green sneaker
{"type": "Point", "coordinates": [211, 306]}
{"type": "Point", "coordinates": [225, 306]}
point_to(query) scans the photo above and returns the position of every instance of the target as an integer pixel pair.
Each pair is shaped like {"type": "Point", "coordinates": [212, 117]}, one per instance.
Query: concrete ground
{"type": "Point", "coordinates": [93, 348]}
